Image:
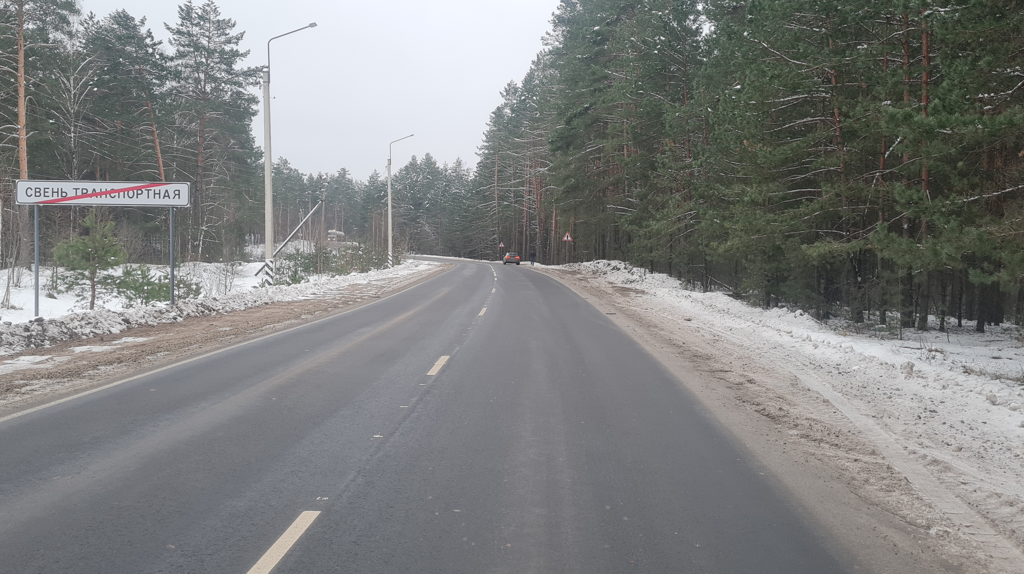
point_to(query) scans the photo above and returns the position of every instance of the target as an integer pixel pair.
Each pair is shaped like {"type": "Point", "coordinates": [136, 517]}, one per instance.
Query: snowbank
{"type": "Point", "coordinates": [59, 322]}
{"type": "Point", "coordinates": [950, 401]}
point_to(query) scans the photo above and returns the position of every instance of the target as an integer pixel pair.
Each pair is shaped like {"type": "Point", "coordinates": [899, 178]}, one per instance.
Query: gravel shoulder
{"type": "Point", "coordinates": [886, 509]}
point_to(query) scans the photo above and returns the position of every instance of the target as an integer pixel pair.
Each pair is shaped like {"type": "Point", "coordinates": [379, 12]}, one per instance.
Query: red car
{"type": "Point", "coordinates": [510, 257]}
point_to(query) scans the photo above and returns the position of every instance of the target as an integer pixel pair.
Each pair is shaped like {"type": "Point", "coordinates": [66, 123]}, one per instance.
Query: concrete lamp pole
{"type": "Point", "coordinates": [268, 165]}
{"type": "Point", "coordinates": [391, 255]}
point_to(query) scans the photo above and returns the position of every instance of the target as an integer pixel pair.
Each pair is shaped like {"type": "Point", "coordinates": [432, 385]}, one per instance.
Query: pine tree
{"type": "Point", "coordinates": [88, 255]}
{"type": "Point", "coordinates": [131, 110]}
{"type": "Point", "coordinates": [342, 198]}
{"type": "Point", "coordinates": [213, 113]}
{"type": "Point", "coordinates": [26, 31]}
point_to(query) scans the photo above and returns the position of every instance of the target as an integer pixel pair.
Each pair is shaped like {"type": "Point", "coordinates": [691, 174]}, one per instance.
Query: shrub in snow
{"type": "Point", "coordinates": [87, 257]}
{"type": "Point", "coordinates": [16, 337]}
{"type": "Point", "coordinates": [138, 286]}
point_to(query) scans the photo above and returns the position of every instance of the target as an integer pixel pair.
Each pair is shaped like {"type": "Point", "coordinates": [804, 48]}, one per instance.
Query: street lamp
{"type": "Point", "coordinates": [268, 165]}
{"type": "Point", "coordinates": [391, 257]}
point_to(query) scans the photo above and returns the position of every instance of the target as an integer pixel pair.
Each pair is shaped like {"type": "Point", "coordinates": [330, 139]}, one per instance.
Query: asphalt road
{"type": "Point", "coordinates": [547, 441]}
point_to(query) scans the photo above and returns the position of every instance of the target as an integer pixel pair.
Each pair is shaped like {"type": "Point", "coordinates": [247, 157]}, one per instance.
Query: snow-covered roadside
{"type": "Point", "coordinates": [18, 330]}
{"type": "Point", "coordinates": [947, 402]}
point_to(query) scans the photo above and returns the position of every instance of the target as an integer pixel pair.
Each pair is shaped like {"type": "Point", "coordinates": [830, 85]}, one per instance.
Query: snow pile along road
{"type": "Point", "coordinates": [39, 333]}
{"type": "Point", "coordinates": [943, 407]}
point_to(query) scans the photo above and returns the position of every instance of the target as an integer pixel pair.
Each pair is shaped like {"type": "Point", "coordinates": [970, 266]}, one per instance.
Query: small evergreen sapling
{"type": "Point", "coordinates": [87, 256]}
{"type": "Point", "coordinates": [139, 286]}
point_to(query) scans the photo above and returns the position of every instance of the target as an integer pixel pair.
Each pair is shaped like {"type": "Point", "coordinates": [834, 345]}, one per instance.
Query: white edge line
{"type": "Point", "coordinates": [284, 543]}
{"type": "Point", "coordinates": [437, 366]}
{"type": "Point", "coordinates": [188, 360]}
{"type": "Point", "coordinates": [482, 311]}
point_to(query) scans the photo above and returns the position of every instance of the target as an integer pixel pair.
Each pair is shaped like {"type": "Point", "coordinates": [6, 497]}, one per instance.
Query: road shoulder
{"type": "Point", "coordinates": [78, 366]}
{"type": "Point", "coordinates": [830, 471]}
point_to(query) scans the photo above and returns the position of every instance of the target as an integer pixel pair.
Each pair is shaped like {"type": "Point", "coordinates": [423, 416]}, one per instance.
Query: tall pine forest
{"type": "Point", "coordinates": [85, 97]}
{"type": "Point", "coordinates": [854, 159]}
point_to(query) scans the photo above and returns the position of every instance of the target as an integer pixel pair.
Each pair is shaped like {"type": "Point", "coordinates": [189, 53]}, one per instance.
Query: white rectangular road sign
{"type": "Point", "coordinates": [108, 193]}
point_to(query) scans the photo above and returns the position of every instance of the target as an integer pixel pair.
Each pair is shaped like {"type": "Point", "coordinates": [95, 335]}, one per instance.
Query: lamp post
{"type": "Point", "coordinates": [268, 165]}
{"type": "Point", "coordinates": [391, 256]}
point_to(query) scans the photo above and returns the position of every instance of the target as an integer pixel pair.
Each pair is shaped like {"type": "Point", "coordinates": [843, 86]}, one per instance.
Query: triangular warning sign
{"type": "Point", "coordinates": [501, 244]}
{"type": "Point", "coordinates": [567, 237]}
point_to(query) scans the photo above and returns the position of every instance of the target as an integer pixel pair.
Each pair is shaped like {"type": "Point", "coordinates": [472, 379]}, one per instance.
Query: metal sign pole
{"type": "Point", "coordinates": [37, 259]}
{"type": "Point", "coordinates": [171, 220]}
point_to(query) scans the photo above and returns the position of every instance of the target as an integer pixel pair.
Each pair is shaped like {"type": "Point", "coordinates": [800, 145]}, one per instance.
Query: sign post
{"type": "Point", "coordinates": [106, 194]}
{"type": "Point", "coordinates": [35, 262]}
{"type": "Point", "coordinates": [170, 248]}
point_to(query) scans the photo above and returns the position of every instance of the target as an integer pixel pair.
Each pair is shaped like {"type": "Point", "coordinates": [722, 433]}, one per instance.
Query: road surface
{"type": "Point", "coordinates": [486, 420]}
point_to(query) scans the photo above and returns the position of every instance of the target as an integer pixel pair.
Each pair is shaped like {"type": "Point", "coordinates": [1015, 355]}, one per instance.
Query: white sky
{"type": "Point", "coordinates": [372, 72]}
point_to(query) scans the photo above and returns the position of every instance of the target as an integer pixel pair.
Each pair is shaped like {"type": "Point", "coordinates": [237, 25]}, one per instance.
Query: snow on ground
{"type": "Point", "coordinates": [978, 375]}
{"type": "Point", "coordinates": [227, 287]}
{"type": "Point", "coordinates": [949, 402]}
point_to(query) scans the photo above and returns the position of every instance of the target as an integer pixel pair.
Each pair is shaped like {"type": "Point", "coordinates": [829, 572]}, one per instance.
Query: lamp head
{"type": "Point", "coordinates": [312, 24]}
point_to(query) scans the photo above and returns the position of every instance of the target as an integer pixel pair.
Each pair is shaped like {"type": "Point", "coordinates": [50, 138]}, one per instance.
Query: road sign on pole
{"type": "Point", "coordinates": [106, 193]}
{"type": "Point", "coordinates": [102, 193]}
{"type": "Point", "coordinates": [501, 244]}
{"type": "Point", "coordinates": [567, 237]}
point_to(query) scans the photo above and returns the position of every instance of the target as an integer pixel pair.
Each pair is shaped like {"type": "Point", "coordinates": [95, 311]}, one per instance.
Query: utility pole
{"type": "Point", "coordinates": [321, 236]}
{"type": "Point", "coordinates": [497, 225]}
{"type": "Point", "coordinates": [391, 256]}
{"type": "Point", "coordinates": [268, 166]}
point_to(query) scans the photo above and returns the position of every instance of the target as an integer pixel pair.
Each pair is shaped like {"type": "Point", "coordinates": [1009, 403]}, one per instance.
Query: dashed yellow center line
{"type": "Point", "coordinates": [482, 311]}
{"type": "Point", "coordinates": [437, 366]}
{"type": "Point", "coordinates": [284, 543]}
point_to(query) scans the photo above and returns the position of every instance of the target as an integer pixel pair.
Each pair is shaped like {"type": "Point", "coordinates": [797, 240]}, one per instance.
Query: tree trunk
{"type": "Point", "coordinates": [156, 141]}
{"type": "Point", "coordinates": [943, 309]}
{"type": "Point", "coordinates": [907, 306]}
{"type": "Point", "coordinates": [92, 289]}
{"type": "Point", "coordinates": [925, 304]}
{"type": "Point", "coordinates": [858, 293]}
{"type": "Point", "coordinates": [23, 210]}
{"type": "Point", "coordinates": [982, 290]}
{"type": "Point", "coordinates": [960, 299]}
{"type": "Point", "coordinates": [997, 308]}
{"type": "Point", "coordinates": [924, 300]}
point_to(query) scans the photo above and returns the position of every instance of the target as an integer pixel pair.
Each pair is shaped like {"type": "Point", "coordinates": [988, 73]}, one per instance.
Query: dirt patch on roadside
{"type": "Point", "coordinates": [73, 366]}
{"type": "Point", "coordinates": [832, 471]}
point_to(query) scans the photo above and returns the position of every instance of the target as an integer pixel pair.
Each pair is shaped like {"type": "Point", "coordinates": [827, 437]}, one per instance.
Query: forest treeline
{"type": "Point", "coordinates": [84, 97]}
{"type": "Point", "coordinates": [856, 158]}
{"type": "Point", "coordinates": [850, 158]}
{"type": "Point", "coordinates": [88, 98]}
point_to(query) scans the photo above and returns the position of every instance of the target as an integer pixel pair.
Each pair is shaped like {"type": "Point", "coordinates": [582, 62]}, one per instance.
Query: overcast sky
{"type": "Point", "coordinates": [372, 72]}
